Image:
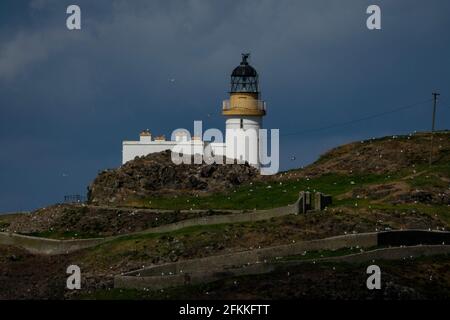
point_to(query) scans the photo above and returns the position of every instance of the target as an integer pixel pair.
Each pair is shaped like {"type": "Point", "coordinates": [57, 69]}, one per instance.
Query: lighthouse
{"type": "Point", "coordinates": [244, 112]}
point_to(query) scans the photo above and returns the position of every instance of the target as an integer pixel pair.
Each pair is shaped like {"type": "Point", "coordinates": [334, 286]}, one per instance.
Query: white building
{"type": "Point", "coordinates": [244, 112]}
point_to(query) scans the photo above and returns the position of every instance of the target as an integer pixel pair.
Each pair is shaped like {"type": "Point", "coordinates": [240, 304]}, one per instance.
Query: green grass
{"type": "Point", "coordinates": [191, 241]}
{"type": "Point", "coordinates": [263, 195]}
{"type": "Point", "coordinates": [432, 178]}
{"type": "Point", "coordinates": [187, 242]}
{"type": "Point", "coordinates": [62, 235]}
{"type": "Point", "coordinates": [4, 225]}
{"type": "Point", "coordinates": [442, 211]}
{"type": "Point", "coordinates": [142, 246]}
{"type": "Point", "coordinates": [195, 232]}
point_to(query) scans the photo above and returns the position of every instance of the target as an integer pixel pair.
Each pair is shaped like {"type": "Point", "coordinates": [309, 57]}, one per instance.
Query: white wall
{"type": "Point", "coordinates": [132, 149]}
{"type": "Point", "coordinates": [218, 148]}
{"type": "Point", "coordinates": [242, 143]}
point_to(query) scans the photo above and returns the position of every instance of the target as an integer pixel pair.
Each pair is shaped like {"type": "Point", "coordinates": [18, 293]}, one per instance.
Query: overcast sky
{"type": "Point", "coordinates": [69, 98]}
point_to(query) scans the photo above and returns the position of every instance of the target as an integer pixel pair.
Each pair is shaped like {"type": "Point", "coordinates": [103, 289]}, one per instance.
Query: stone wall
{"type": "Point", "coordinates": [165, 280]}
{"type": "Point", "coordinates": [412, 237]}
{"type": "Point", "coordinates": [256, 215]}
{"type": "Point", "coordinates": [261, 260]}
{"type": "Point", "coordinates": [47, 246]}
{"type": "Point", "coordinates": [216, 267]}
{"type": "Point", "coordinates": [51, 246]}
{"type": "Point", "coordinates": [306, 201]}
{"type": "Point", "coordinates": [259, 255]}
{"type": "Point", "coordinates": [395, 253]}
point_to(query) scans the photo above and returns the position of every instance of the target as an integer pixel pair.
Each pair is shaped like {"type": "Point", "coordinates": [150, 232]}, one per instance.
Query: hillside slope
{"type": "Point", "coordinates": [376, 178]}
{"type": "Point", "coordinates": [380, 184]}
{"type": "Point", "coordinates": [381, 156]}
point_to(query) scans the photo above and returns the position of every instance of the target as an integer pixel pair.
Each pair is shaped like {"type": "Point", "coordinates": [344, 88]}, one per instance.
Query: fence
{"type": "Point", "coordinates": [74, 198]}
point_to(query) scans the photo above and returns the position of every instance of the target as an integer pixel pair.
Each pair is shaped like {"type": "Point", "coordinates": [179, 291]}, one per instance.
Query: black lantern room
{"type": "Point", "coordinates": [244, 77]}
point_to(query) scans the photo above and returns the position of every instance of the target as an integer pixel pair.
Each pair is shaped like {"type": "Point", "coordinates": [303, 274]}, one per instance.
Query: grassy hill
{"type": "Point", "coordinates": [390, 174]}
{"type": "Point", "coordinates": [378, 184]}
{"type": "Point", "coordinates": [397, 167]}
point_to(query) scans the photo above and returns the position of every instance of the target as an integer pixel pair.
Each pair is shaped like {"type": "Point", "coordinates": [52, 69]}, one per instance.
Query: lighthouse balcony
{"type": "Point", "coordinates": [251, 108]}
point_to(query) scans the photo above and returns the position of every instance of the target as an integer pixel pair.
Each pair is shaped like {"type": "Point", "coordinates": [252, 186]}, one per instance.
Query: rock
{"type": "Point", "coordinates": [156, 174]}
{"type": "Point", "coordinates": [13, 257]}
{"type": "Point", "coordinates": [207, 171]}
{"type": "Point", "coordinates": [417, 196]}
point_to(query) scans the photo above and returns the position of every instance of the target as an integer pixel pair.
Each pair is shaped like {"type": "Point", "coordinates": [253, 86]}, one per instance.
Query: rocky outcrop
{"type": "Point", "coordinates": [156, 174]}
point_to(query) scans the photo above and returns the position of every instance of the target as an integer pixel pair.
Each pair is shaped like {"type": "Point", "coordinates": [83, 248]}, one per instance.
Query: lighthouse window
{"type": "Point", "coordinates": [242, 123]}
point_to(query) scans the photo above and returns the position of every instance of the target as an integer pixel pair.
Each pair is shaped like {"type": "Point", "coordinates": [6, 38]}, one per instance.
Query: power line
{"type": "Point", "coordinates": [357, 120]}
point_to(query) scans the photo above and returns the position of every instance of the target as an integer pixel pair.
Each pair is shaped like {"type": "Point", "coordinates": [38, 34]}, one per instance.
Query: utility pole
{"type": "Point", "coordinates": [435, 95]}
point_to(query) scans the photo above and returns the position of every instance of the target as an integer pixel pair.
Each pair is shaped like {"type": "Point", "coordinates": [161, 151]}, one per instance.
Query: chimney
{"type": "Point", "coordinates": [145, 136]}
{"type": "Point", "coordinates": [181, 136]}
{"type": "Point", "coordinates": [160, 138]}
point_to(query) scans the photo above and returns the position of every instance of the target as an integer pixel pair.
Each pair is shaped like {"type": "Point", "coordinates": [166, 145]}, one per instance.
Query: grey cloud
{"type": "Point", "coordinates": [21, 52]}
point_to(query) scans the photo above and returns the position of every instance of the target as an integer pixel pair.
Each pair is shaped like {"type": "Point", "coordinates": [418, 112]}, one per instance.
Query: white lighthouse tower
{"type": "Point", "coordinates": [244, 112]}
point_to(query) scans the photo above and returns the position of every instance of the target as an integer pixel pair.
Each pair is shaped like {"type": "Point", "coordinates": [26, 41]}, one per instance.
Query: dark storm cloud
{"type": "Point", "coordinates": [68, 98]}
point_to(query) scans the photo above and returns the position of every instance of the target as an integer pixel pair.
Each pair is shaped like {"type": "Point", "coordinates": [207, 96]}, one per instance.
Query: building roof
{"type": "Point", "coordinates": [244, 69]}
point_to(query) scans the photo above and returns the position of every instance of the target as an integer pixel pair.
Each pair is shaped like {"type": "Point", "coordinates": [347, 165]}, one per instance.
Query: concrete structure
{"type": "Point", "coordinates": [321, 201]}
{"type": "Point", "coordinates": [243, 111]}
{"type": "Point", "coordinates": [264, 260]}
{"type": "Point", "coordinates": [39, 245]}
{"type": "Point", "coordinates": [305, 202]}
